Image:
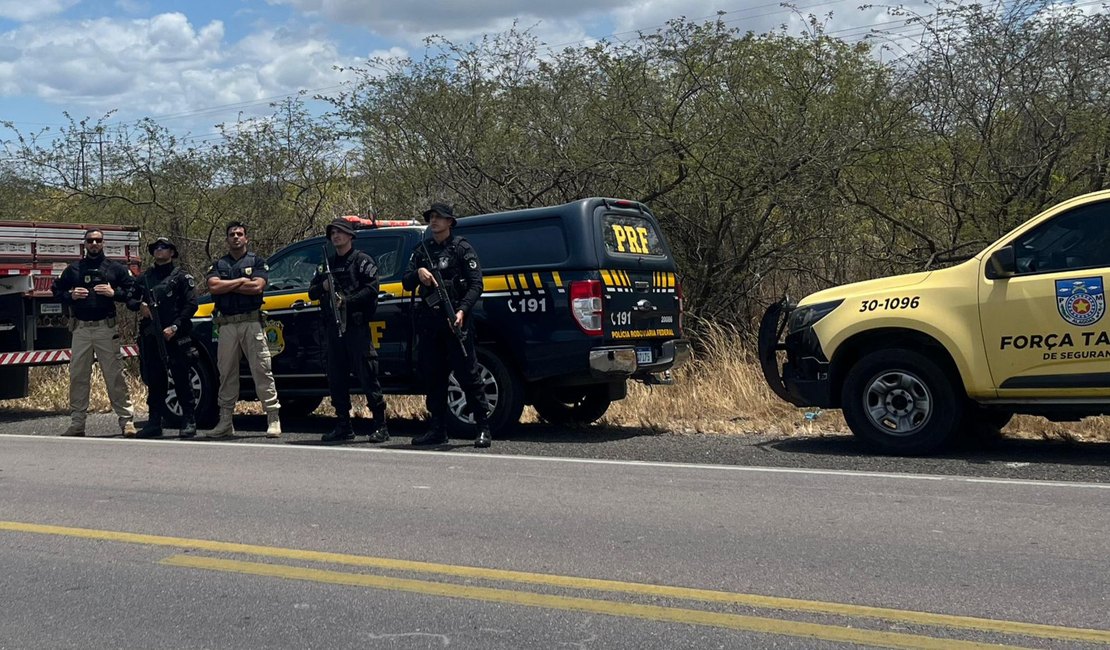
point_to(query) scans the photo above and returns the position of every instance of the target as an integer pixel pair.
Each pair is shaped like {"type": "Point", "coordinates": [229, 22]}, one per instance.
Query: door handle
{"type": "Point", "coordinates": [299, 305]}
{"type": "Point", "coordinates": [385, 294]}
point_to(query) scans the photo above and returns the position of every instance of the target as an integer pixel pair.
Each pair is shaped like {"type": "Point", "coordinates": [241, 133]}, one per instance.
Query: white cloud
{"type": "Point", "coordinates": [25, 10]}
{"type": "Point", "coordinates": [414, 19]}
{"type": "Point", "coordinates": [160, 65]}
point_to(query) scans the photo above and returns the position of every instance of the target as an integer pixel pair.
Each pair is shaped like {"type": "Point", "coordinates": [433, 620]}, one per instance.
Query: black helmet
{"type": "Point", "coordinates": [443, 210]}
{"type": "Point", "coordinates": [162, 241]}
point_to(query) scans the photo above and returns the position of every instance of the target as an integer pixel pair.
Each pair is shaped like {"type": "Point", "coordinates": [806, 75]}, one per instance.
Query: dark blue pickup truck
{"type": "Point", "coordinates": [578, 299]}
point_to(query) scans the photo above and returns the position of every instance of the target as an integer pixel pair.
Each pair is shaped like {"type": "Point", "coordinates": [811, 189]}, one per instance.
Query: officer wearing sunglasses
{"type": "Point", "coordinates": [166, 298]}
{"type": "Point", "coordinates": [89, 289]}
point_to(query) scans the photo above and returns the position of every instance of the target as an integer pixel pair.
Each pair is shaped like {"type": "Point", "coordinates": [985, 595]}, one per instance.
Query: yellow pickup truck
{"type": "Point", "coordinates": [915, 360]}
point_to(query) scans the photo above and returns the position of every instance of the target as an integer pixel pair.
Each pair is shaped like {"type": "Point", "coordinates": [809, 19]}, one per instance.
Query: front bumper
{"type": "Point", "coordinates": [803, 378]}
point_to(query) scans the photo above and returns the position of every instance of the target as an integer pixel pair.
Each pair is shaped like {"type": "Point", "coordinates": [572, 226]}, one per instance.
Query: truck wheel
{"type": "Point", "coordinates": [204, 385]}
{"type": "Point", "coordinates": [902, 402]}
{"type": "Point", "coordinates": [573, 405]}
{"type": "Point", "coordinates": [503, 390]}
{"type": "Point", "coordinates": [300, 406]}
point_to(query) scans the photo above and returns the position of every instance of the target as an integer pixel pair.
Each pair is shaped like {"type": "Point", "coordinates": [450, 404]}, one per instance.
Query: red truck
{"type": "Point", "coordinates": [33, 327]}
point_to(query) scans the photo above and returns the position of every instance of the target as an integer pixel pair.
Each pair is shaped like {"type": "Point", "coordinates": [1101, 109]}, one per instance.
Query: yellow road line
{"type": "Point", "coordinates": [593, 584]}
{"type": "Point", "coordinates": [570, 603]}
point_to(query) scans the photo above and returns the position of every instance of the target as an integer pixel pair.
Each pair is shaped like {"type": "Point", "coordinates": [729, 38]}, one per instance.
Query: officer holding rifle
{"type": "Point", "coordinates": [166, 298]}
{"type": "Point", "coordinates": [449, 276]}
{"type": "Point", "coordinates": [346, 284]}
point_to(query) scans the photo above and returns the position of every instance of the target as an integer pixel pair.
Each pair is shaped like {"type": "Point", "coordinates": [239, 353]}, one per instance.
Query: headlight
{"type": "Point", "coordinates": [804, 317]}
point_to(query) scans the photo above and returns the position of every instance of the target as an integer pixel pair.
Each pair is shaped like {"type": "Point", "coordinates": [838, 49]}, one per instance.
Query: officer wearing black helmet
{"type": "Point", "coordinates": [439, 350]}
{"type": "Point", "coordinates": [346, 285]}
{"type": "Point", "coordinates": [166, 298]}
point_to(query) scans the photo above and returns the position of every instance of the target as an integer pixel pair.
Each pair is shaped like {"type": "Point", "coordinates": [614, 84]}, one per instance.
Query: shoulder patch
{"type": "Point", "coordinates": [190, 280]}
{"type": "Point", "coordinates": [472, 263]}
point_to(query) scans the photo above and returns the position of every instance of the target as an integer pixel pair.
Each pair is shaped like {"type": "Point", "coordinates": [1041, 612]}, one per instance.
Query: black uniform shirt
{"type": "Point", "coordinates": [173, 290]}
{"type": "Point", "coordinates": [356, 279]}
{"type": "Point", "coordinates": [89, 272]}
{"type": "Point", "coordinates": [228, 268]}
{"type": "Point", "coordinates": [457, 262]}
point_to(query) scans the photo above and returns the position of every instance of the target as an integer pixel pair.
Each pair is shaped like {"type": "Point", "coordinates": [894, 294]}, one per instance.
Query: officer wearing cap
{"type": "Point", "coordinates": [89, 289]}
{"type": "Point", "coordinates": [438, 349]}
{"type": "Point", "coordinates": [349, 278]}
{"type": "Point", "coordinates": [166, 298]}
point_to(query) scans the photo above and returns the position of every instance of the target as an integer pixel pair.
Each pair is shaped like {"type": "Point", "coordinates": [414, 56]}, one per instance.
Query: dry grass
{"type": "Point", "coordinates": [721, 392]}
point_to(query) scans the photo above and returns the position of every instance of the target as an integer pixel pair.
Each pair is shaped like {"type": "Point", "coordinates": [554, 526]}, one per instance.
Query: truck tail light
{"type": "Point", "coordinates": [585, 304]}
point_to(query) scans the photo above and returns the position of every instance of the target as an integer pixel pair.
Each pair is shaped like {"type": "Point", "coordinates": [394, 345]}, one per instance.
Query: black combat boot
{"type": "Point", "coordinates": [436, 435]}
{"type": "Point", "coordinates": [485, 438]}
{"type": "Point", "coordinates": [153, 426]}
{"type": "Point", "coordinates": [378, 430]}
{"type": "Point", "coordinates": [341, 432]}
{"type": "Point", "coordinates": [188, 425]}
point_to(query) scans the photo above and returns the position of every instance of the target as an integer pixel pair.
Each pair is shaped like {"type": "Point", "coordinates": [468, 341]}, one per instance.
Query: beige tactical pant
{"type": "Point", "coordinates": [101, 342]}
{"type": "Point", "coordinates": [235, 340]}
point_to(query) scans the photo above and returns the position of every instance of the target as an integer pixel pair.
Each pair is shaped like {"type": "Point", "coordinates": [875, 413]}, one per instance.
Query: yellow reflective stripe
{"type": "Point", "coordinates": [536, 279]}
{"type": "Point", "coordinates": [495, 283]}
{"type": "Point", "coordinates": [558, 278]}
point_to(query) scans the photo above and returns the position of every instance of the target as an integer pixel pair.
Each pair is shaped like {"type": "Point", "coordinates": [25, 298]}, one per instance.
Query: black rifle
{"type": "Point", "coordinates": [338, 307]}
{"type": "Point", "coordinates": [155, 326]}
{"type": "Point", "coordinates": [441, 299]}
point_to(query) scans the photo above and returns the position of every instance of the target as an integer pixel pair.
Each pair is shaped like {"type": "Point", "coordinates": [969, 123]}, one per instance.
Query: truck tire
{"type": "Point", "coordinates": [901, 402]}
{"type": "Point", "coordinates": [205, 386]}
{"type": "Point", "coordinates": [504, 391]}
{"type": "Point", "coordinates": [573, 405]}
{"type": "Point", "coordinates": [300, 406]}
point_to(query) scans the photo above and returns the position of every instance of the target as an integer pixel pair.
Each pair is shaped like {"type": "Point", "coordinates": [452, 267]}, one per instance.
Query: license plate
{"type": "Point", "coordinates": [50, 308]}
{"type": "Point", "coordinates": [643, 355]}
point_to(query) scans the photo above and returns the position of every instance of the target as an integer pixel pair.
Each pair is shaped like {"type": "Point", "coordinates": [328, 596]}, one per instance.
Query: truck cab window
{"type": "Point", "coordinates": [294, 270]}
{"type": "Point", "coordinates": [1078, 239]}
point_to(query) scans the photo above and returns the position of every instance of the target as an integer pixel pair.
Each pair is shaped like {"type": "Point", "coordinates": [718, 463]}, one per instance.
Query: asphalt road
{"type": "Point", "coordinates": [113, 543]}
{"type": "Point", "coordinates": [1004, 458]}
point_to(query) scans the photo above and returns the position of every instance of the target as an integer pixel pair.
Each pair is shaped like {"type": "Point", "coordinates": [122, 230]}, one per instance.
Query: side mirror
{"type": "Point", "coordinates": [1002, 263]}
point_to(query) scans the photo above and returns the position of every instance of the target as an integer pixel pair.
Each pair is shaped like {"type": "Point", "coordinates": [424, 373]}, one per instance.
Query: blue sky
{"type": "Point", "coordinates": [191, 65]}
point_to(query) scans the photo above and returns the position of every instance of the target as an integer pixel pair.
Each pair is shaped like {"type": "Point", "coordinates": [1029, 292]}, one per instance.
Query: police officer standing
{"type": "Point", "coordinates": [236, 282]}
{"type": "Point", "coordinates": [166, 298]}
{"type": "Point", "coordinates": [90, 288]}
{"type": "Point", "coordinates": [347, 287]}
{"type": "Point", "coordinates": [439, 333]}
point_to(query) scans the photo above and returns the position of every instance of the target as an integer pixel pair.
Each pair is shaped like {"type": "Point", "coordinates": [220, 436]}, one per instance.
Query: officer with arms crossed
{"type": "Point", "coordinates": [236, 282]}
{"type": "Point", "coordinates": [352, 285]}
{"type": "Point", "coordinates": [166, 298]}
{"type": "Point", "coordinates": [438, 344]}
{"type": "Point", "coordinates": [90, 289]}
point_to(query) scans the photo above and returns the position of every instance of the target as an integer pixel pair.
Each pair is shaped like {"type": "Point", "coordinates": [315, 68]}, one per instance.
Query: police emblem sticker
{"type": "Point", "coordinates": [1081, 301]}
{"type": "Point", "coordinates": [274, 330]}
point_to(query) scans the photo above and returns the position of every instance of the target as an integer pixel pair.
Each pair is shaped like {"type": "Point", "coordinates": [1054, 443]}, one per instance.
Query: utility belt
{"type": "Point", "coordinates": [77, 323]}
{"type": "Point", "coordinates": [222, 319]}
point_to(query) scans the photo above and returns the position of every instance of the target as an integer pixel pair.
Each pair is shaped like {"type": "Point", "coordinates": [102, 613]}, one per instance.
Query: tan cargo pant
{"type": "Point", "coordinates": [235, 340]}
{"type": "Point", "coordinates": [102, 343]}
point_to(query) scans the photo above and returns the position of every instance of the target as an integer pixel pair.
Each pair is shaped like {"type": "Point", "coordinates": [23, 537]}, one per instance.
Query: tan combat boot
{"type": "Point", "coordinates": [75, 430]}
{"type": "Point", "coordinates": [127, 428]}
{"type": "Point", "coordinates": [225, 428]}
{"type": "Point", "coordinates": [273, 425]}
